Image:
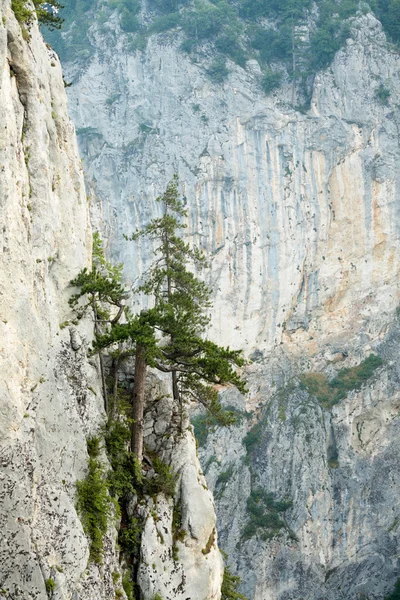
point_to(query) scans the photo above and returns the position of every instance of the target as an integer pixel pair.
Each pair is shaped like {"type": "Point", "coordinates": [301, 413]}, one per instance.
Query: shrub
{"type": "Point", "coordinates": [230, 584]}
{"type": "Point", "coordinates": [129, 536]}
{"type": "Point", "coordinates": [263, 511]}
{"type": "Point", "coordinates": [165, 23]}
{"type": "Point", "coordinates": [128, 20]}
{"type": "Point", "coordinates": [128, 586]}
{"type": "Point", "coordinates": [395, 595]}
{"type": "Point", "coordinates": [218, 70]}
{"type": "Point", "coordinates": [50, 586]}
{"type": "Point", "coordinates": [271, 81]}
{"type": "Point", "coordinates": [222, 480]}
{"type": "Point", "coordinates": [383, 94]}
{"type": "Point", "coordinates": [93, 501]}
{"type": "Point", "coordinates": [163, 481]}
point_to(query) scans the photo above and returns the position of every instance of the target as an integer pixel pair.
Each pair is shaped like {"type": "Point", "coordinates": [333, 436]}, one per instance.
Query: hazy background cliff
{"type": "Point", "coordinates": [299, 210]}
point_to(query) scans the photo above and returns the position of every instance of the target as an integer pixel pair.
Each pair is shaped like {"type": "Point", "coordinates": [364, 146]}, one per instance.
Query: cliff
{"type": "Point", "coordinates": [51, 400]}
{"type": "Point", "coordinates": [299, 212]}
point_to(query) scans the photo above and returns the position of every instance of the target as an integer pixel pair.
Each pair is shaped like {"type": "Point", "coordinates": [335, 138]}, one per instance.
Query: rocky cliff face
{"type": "Point", "coordinates": [300, 213]}
{"type": "Point", "coordinates": [51, 400]}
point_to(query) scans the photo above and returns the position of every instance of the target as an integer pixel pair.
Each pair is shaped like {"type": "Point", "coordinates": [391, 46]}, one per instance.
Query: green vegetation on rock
{"type": "Point", "coordinates": [230, 585]}
{"type": "Point", "coordinates": [264, 515]}
{"type": "Point", "coordinates": [93, 501]}
{"type": "Point", "coordinates": [329, 393]}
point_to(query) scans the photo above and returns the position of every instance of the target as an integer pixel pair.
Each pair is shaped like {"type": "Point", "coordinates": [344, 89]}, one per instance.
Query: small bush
{"type": "Point", "coordinates": [128, 586]}
{"type": "Point", "coordinates": [271, 81]}
{"type": "Point", "coordinates": [50, 586]}
{"type": "Point", "coordinates": [163, 481]}
{"type": "Point", "coordinates": [383, 94]}
{"type": "Point", "coordinates": [230, 584]}
{"type": "Point", "coordinates": [93, 501]}
{"type": "Point", "coordinates": [218, 70]}
{"type": "Point", "coordinates": [129, 536]}
{"type": "Point", "coordinates": [263, 511]}
{"type": "Point", "coordinates": [223, 479]}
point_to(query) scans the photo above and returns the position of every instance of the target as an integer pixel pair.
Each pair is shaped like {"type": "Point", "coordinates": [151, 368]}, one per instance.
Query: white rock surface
{"type": "Point", "coordinates": [50, 395]}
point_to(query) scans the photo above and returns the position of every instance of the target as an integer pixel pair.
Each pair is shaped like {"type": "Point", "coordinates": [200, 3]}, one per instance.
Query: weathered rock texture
{"type": "Point", "coordinates": [50, 398]}
{"type": "Point", "coordinates": [301, 215]}
{"type": "Point", "coordinates": [340, 469]}
{"type": "Point", "coordinates": [187, 564]}
{"type": "Point", "coordinates": [299, 211]}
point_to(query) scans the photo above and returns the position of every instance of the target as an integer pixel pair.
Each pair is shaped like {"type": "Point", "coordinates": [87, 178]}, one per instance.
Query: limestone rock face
{"type": "Point", "coordinates": [51, 399]}
{"type": "Point", "coordinates": [339, 468]}
{"type": "Point", "coordinates": [299, 212]}
{"type": "Point", "coordinates": [179, 556]}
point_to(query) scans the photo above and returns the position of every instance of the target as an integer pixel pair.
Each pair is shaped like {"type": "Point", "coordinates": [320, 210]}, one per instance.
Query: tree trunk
{"type": "Point", "coordinates": [102, 370]}
{"type": "Point", "coordinates": [177, 397]}
{"type": "Point", "coordinates": [113, 412]}
{"type": "Point", "coordinates": [138, 403]}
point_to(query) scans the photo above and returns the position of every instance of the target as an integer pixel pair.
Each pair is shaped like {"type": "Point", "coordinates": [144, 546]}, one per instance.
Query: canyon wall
{"type": "Point", "coordinates": [299, 211]}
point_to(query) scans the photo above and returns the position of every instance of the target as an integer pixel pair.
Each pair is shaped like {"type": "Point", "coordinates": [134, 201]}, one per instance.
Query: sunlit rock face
{"type": "Point", "coordinates": [300, 214]}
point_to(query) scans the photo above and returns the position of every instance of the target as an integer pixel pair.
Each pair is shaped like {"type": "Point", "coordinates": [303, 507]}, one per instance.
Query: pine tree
{"type": "Point", "coordinates": [179, 316]}
{"type": "Point", "coordinates": [171, 335]}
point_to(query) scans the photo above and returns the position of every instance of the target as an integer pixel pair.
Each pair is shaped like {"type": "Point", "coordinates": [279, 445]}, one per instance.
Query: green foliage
{"type": "Point", "coordinates": [218, 71]}
{"type": "Point", "coordinates": [395, 595]}
{"type": "Point", "coordinates": [206, 423]}
{"type": "Point", "coordinates": [165, 23]}
{"type": "Point", "coordinates": [46, 13]}
{"type": "Point", "coordinates": [264, 514]}
{"type": "Point", "coordinates": [347, 380]}
{"type": "Point", "coordinates": [383, 94]}
{"type": "Point", "coordinates": [93, 501]}
{"type": "Point", "coordinates": [222, 480]}
{"type": "Point", "coordinates": [389, 13]}
{"type": "Point", "coordinates": [50, 586]}
{"type": "Point", "coordinates": [163, 481]}
{"type": "Point", "coordinates": [128, 586]}
{"type": "Point", "coordinates": [100, 288]}
{"type": "Point", "coordinates": [252, 437]}
{"type": "Point", "coordinates": [179, 314]}
{"type": "Point", "coordinates": [271, 81]}
{"type": "Point", "coordinates": [129, 536]}
{"type": "Point", "coordinates": [230, 585]}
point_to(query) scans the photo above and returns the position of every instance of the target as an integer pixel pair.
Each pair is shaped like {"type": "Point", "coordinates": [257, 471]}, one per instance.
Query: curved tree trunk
{"type": "Point", "coordinates": [138, 403]}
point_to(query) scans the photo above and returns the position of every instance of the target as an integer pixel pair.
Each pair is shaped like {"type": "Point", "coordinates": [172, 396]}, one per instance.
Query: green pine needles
{"type": "Point", "coordinates": [46, 13]}
{"type": "Point", "coordinates": [170, 336]}
{"type": "Point", "coordinates": [230, 584]}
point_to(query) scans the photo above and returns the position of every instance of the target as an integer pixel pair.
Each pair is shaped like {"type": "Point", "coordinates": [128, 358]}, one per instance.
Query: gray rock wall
{"type": "Point", "coordinates": [50, 394]}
